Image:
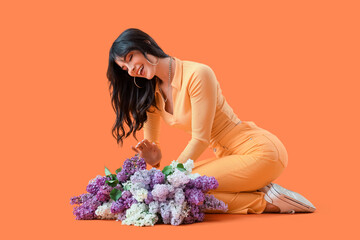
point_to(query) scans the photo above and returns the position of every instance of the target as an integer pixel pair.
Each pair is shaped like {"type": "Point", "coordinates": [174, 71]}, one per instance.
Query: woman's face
{"type": "Point", "coordinates": [136, 65]}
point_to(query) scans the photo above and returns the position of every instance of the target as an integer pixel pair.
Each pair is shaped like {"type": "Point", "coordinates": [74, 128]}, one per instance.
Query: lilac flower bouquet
{"type": "Point", "coordinates": [140, 197]}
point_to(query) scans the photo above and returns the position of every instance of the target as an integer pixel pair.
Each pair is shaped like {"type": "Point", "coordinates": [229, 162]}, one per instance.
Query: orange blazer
{"type": "Point", "coordinates": [199, 108]}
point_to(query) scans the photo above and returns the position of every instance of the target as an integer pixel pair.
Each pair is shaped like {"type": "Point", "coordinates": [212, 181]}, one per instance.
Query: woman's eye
{"type": "Point", "coordinates": [130, 57]}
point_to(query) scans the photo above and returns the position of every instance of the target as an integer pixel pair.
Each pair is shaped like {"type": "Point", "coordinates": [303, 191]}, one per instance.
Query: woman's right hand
{"type": "Point", "coordinates": [149, 151]}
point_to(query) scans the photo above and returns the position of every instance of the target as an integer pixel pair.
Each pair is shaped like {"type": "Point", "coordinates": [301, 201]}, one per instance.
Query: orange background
{"type": "Point", "coordinates": [292, 67]}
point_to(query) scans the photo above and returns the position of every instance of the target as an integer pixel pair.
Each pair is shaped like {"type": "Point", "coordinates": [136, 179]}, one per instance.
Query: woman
{"type": "Point", "coordinates": [146, 84]}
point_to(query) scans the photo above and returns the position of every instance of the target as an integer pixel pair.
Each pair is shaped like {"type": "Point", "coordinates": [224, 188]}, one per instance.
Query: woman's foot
{"type": "Point", "coordinates": [285, 200]}
{"type": "Point", "coordinates": [271, 208]}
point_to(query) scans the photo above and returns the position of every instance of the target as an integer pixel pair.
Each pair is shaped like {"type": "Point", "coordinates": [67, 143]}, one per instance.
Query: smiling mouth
{"type": "Point", "coordinates": [141, 70]}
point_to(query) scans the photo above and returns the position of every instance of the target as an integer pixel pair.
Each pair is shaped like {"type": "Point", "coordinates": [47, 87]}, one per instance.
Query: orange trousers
{"type": "Point", "coordinates": [247, 159]}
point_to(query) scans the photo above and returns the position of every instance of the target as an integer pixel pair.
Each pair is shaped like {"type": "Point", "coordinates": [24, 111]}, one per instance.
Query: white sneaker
{"type": "Point", "coordinates": [288, 201]}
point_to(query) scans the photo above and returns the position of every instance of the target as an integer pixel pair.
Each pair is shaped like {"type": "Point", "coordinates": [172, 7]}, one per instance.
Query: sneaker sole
{"type": "Point", "coordinates": [292, 198]}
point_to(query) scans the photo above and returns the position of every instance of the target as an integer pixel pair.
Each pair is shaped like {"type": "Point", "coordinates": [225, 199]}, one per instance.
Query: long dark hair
{"type": "Point", "coordinates": [129, 102]}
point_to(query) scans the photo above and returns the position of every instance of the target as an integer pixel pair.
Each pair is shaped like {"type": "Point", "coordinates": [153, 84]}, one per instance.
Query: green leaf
{"type": "Point", "coordinates": [115, 194]}
{"type": "Point", "coordinates": [167, 170]}
{"type": "Point", "coordinates": [112, 183]}
{"type": "Point", "coordinates": [181, 167]}
{"type": "Point", "coordinates": [107, 171]}
{"type": "Point", "coordinates": [113, 177]}
{"type": "Point", "coordinates": [118, 170]}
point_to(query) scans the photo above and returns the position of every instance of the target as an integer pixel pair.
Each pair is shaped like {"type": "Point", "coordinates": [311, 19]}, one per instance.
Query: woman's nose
{"type": "Point", "coordinates": [131, 71]}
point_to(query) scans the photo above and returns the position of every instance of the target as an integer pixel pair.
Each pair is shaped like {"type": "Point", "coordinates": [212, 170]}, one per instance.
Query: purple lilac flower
{"type": "Point", "coordinates": [161, 192]}
{"type": "Point", "coordinates": [204, 183]}
{"type": "Point", "coordinates": [86, 211]}
{"type": "Point", "coordinates": [208, 183]}
{"type": "Point", "coordinates": [157, 177]}
{"type": "Point", "coordinates": [126, 194]}
{"type": "Point", "coordinates": [165, 213]}
{"type": "Point", "coordinates": [96, 183]}
{"type": "Point", "coordinates": [194, 196]}
{"type": "Point", "coordinates": [129, 201]}
{"type": "Point", "coordinates": [189, 220]}
{"type": "Point", "coordinates": [80, 199]}
{"type": "Point", "coordinates": [117, 206]}
{"type": "Point", "coordinates": [93, 187]}
{"type": "Point", "coordinates": [103, 194]}
{"type": "Point", "coordinates": [130, 166]}
{"type": "Point", "coordinates": [183, 196]}
{"type": "Point", "coordinates": [190, 184]}
{"type": "Point", "coordinates": [142, 177]}
{"type": "Point", "coordinates": [212, 203]}
{"type": "Point", "coordinates": [195, 215]}
{"type": "Point", "coordinates": [123, 203]}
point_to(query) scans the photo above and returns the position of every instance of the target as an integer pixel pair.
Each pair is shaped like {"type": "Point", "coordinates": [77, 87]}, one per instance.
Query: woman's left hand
{"type": "Point", "coordinates": [149, 151]}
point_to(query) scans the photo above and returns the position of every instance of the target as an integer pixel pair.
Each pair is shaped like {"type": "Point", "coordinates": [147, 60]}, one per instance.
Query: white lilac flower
{"type": "Point", "coordinates": [154, 207]}
{"type": "Point", "coordinates": [173, 213]}
{"type": "Point", "coordinates": [178, 178]}
{"type": "Point", "coordinates": [138, 215]}
{"type": "Point", "coordinates": [173, 164]}
{"type": "Point", "coordinates": [134, 187]}
{"type": "Point", "coordinates": [189, 165]}
{"type": "Point", "coordinates": [137, 190]}
{"type": "Point", "coordinates": [140, 194]}
{"type": "Point", "coordinates": [127, 185]}
{"type": "Point", "coordinates": [104, 211]}
{"type": "Point", "coordinates": [178, 213]}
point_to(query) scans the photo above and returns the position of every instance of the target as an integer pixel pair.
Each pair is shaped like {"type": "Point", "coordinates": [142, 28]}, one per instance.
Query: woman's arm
{"type": "Point", "coordinates": [203, 89]}
{"type": "Point", "coordinates": [149, 147]}
{"type": "Point", "coordinates": [152, 126]}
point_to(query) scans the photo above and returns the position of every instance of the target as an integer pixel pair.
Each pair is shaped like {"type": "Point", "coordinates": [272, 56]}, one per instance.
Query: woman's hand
{"type": "Point", "coordinates": [149, 151]}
